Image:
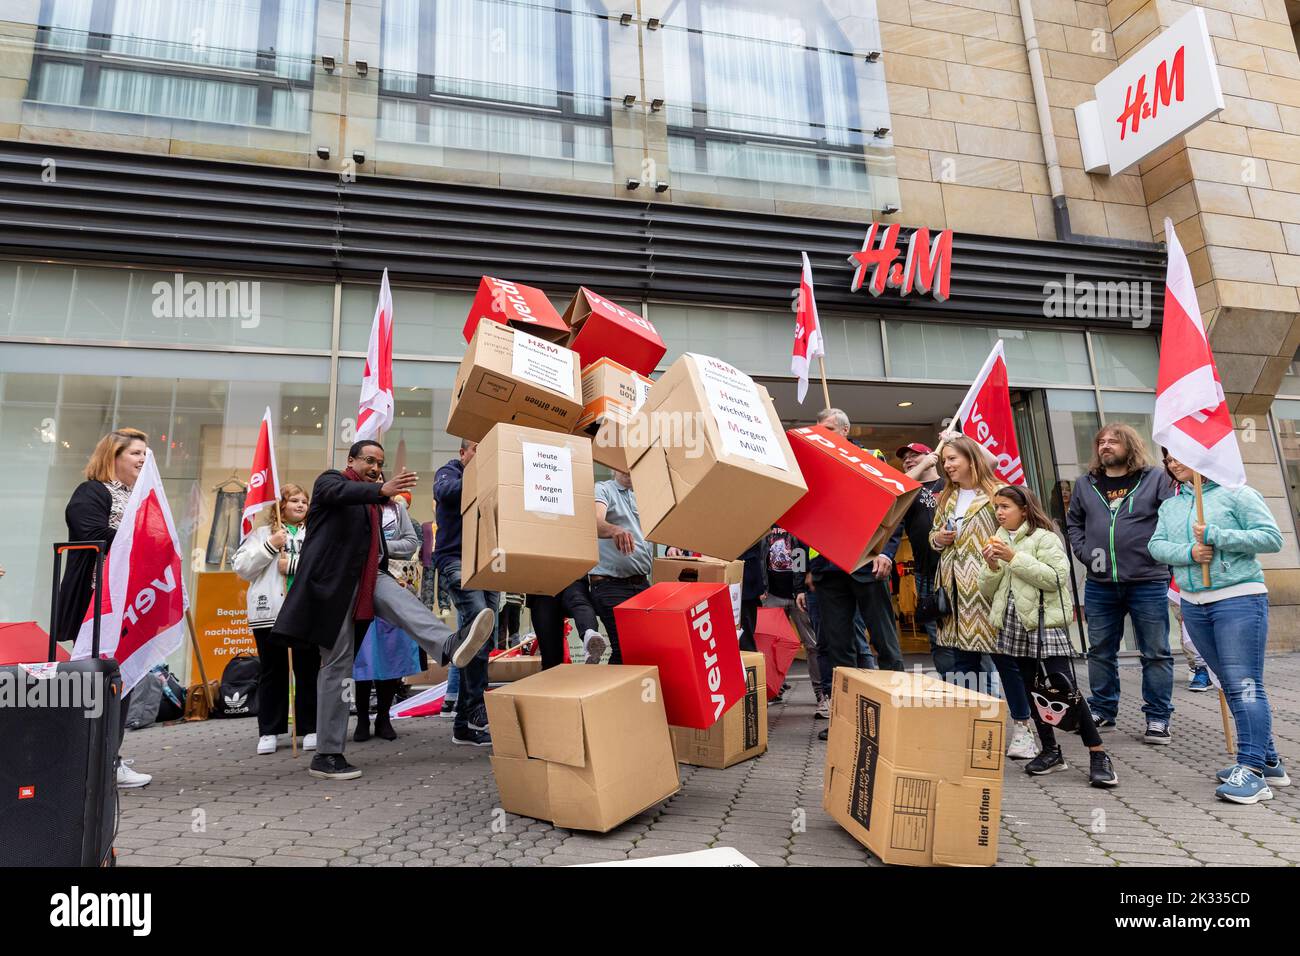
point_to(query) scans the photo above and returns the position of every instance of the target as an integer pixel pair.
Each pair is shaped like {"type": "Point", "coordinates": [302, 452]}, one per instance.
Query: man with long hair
{"type": "Point", "coordinates": [1111, 518]}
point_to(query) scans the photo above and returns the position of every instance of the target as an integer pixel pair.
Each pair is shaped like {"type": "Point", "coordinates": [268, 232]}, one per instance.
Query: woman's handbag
{"type": "Point", "coordinates": [1055, 696]}
{"type": "Point", "coordinates": [934, 608]}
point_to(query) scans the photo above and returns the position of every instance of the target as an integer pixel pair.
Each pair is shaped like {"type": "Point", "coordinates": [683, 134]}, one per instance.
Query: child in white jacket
{"type": "Point", "coordinates": [267, 560]}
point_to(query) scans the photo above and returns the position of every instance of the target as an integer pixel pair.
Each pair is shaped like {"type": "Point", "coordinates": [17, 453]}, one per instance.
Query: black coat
{"type": "Point", "coordinates": [87, 515]}
{"type": "Point", "coordinates": [333, 555]}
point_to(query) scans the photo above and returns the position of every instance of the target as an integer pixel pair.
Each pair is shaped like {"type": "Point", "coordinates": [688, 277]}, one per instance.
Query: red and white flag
{"type": "Point", "coordinates": [143, 612]}
{"type": "Point", "coordinates": [1192, 418]}
{"type": "Point", "coordinates": [985, 417]}
{"type": "Point", "coordinates": [376, 412]}
{"type": "Point", "coordinates": [263, 482]}
{"type": "Point", "coordinates": [807, 330]}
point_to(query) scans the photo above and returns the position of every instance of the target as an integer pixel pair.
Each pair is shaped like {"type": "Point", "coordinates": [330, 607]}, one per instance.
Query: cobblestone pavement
{"type": "Point", "coordinates": [424, 802]}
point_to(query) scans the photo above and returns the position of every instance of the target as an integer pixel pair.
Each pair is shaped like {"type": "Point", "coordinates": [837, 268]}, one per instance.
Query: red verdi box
{"type": "Point", "coordinates": [520, 306]}
{"type": "Point", "coordinates": [854, 500]}
{"type": "Point", "coordinates": [687, 631]}
{"type": "Point", "coordinates": [604, 329]}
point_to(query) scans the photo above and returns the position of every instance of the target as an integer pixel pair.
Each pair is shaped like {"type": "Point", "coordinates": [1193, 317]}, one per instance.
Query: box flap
{"type": "Point", "coordinates": [966, 816]}
{"type": "Point", "coordinates": [523, 786]}
{"type": "Point", "coordinates": [507, 734]}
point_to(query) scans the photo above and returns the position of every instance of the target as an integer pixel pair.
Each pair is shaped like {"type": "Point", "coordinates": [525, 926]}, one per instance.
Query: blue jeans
{"type": "Point", "coordinates": [471, 683]}
{"type": "Point", "coordinates": [1147, 604]}
{"type": "Point", "coordinates": [865, 657]}
{"type": "Point", "coordinates": [1231, 635]}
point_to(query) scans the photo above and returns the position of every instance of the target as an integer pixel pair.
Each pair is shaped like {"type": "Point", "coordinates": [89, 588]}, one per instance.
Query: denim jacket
{"type": "Point", "coordinates": [1237, 523]}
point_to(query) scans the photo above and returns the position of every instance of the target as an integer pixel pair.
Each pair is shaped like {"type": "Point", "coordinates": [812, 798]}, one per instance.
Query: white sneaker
{"type": "Point", "coordinates": [128, 779]}
{"type": "Point", "coordinates": [593, 645]}
{"type": "Point", "coordinates": [824, 708]}
{"type": "Point", "coordinates": [309, 742]}
{"type": "Point", "coordinates": [1023, 745]}
{"type": "Point", "coordinates": [266, 744]}
{"type": "Point", "coordinates": [476, 635]}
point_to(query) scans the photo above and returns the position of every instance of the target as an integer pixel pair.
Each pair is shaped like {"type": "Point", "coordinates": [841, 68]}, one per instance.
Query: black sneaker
{"type": "Point", "coordinates": [1100, 771]}
{"type": "Point", "coordinates": [472, 738]}
{"type": "Point", "coordinates": [1104, 723]}
{"type": "Point", "coordinates": [1157, 732]}
{"type": "Point", "coordinates": [1048, 761]}
{"type": "Point", "coordinates": [825, 734]}
{"type": "Point", "coordinates": [478, 719]}
{"type": "Point", "coordinates": [332, 767]}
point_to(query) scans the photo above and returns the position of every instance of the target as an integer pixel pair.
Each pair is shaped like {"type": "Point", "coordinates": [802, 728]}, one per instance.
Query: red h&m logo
{"type": "Point", "coordinates": [26, 793]}
{"type": "Point", "coordinates": [1168, 90]}
{"type": "Point", "coordinates": [925, 268]}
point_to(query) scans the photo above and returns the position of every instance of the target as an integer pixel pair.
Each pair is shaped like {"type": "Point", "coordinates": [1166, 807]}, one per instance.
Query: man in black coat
{"type": "Point", "coordinates": [342, 583]}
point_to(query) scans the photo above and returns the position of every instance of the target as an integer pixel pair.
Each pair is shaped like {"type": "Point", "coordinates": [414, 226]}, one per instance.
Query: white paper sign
{"type": "Point", "coordinates": [543, 362]}
{"type": "Point", "coordinates": [735, 604]}
{"type": "Point", "coordinates": [642, 393]}
{"type": "Point", "coordinates": [740, 413]}
{"type": "Point", "coordinates": [548, 479]}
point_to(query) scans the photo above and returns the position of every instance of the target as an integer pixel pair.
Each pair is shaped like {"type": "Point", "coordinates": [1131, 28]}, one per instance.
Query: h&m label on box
{"type": "Point", "coordinates": [542, 362]}
{"type": "Point", "coordinates": [862, 785]}
{"type": "Point", "coordinates": [751, 707]}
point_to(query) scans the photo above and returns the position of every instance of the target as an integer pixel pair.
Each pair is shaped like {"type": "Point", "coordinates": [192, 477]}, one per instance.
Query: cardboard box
{"type": "Point", "coordinates": [513, 377]}
{"type": "Point", "coordinates": [604, 329]}
{"type": "Point", "coordinates": [435, 675]}
{"type": "Point", "coordinates": [741, 733]}
{"type": "Point", "coordinates": [711, 465]}
{"type": "Point", "coordinates": [519, 306]}
{"type": "Point", "coordinates": [687, 631]}
{"type": "Point", "coordinates": [914, 767]}
{"type": "Point", "coordinates": [854, 499]}
{"type": "Point", "coordinates": [611, 395]}
{"type": "Point", "coordinates": [583, 747]}
{"type": "Point", "coordinates": [504, 670]}
{"type": "Point", "coordinates": [714, 570]}
{"type": "Point", "coordinates": [528, 511]}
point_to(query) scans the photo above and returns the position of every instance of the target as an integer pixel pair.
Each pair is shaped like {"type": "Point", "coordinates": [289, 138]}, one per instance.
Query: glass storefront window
{"type": "Point", "coordinates": [425, 321]}
{"type": "Point", "coordinates": [1132, 408]}
{"type": "Point", "coordinates": [769, 99]}
{"type": "Point", "coordinates": [187, 308]}
{"type": "Point", "coordinates": [759, 342]}
{"type": "Point", "coordinates": [57, 401]}
{"type": "Point", "coordinates": [1291, 380]}
{"type": "Point", "coordinates": [930, 350]}
{"type": "Point", "coordinates": [1125, 361]}
{"type": "Point", "coordinates": [474, 78]}
{"type": "Point", "coordinates": [221, 63]}
{"type": "Point", "coordinates": [418, 439]}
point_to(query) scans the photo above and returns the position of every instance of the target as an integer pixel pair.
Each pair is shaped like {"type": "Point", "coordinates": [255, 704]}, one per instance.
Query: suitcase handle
{"type": "Point", "coordinates": [99, 547]}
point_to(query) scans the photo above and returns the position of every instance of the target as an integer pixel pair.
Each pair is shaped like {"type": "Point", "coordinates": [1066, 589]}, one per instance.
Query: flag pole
{"type": "Point", "coordinates": [826, 392]}
{"type": "Point", "coordinates": [1200, 519]}
{"type": "Point", "coordinates": [1227, 727]}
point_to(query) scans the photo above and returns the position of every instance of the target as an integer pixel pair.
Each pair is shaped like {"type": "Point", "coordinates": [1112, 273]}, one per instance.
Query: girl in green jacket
{"type": "Point", "coordinates": [1026, 574]}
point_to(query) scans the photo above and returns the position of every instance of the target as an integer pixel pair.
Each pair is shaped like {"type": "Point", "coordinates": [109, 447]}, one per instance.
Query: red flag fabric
{"type": "Point", "coordinates": [808, 343]}
{"type": "Point", "coordinates": [1192, 418]}
{"type": "Point", "coordinates": [777, 642]}
{"type": "Point", "coordinates": [985, 417]}
{"type": "Point", "coordinates": [143, 612]}
{"type": "Point", "coordinates": [375, 415]}
{"type": "Point", "coordinates": [263, 481]}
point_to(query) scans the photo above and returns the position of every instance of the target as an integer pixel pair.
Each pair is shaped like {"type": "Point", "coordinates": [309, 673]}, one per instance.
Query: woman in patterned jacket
{"type": "Point", "coordinates": [964, 521]}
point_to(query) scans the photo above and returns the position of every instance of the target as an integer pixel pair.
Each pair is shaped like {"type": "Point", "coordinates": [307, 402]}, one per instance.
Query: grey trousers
{"type": "Point", "coordinates": [398, 607]}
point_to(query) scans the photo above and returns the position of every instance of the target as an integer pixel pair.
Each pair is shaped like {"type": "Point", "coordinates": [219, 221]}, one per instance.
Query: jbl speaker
{"type": "Point", "coordinates": [59, 726]}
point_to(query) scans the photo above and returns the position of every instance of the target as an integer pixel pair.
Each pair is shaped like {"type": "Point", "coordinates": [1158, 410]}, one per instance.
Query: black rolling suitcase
{"type": "Point", "coordinates": [59, 727]}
